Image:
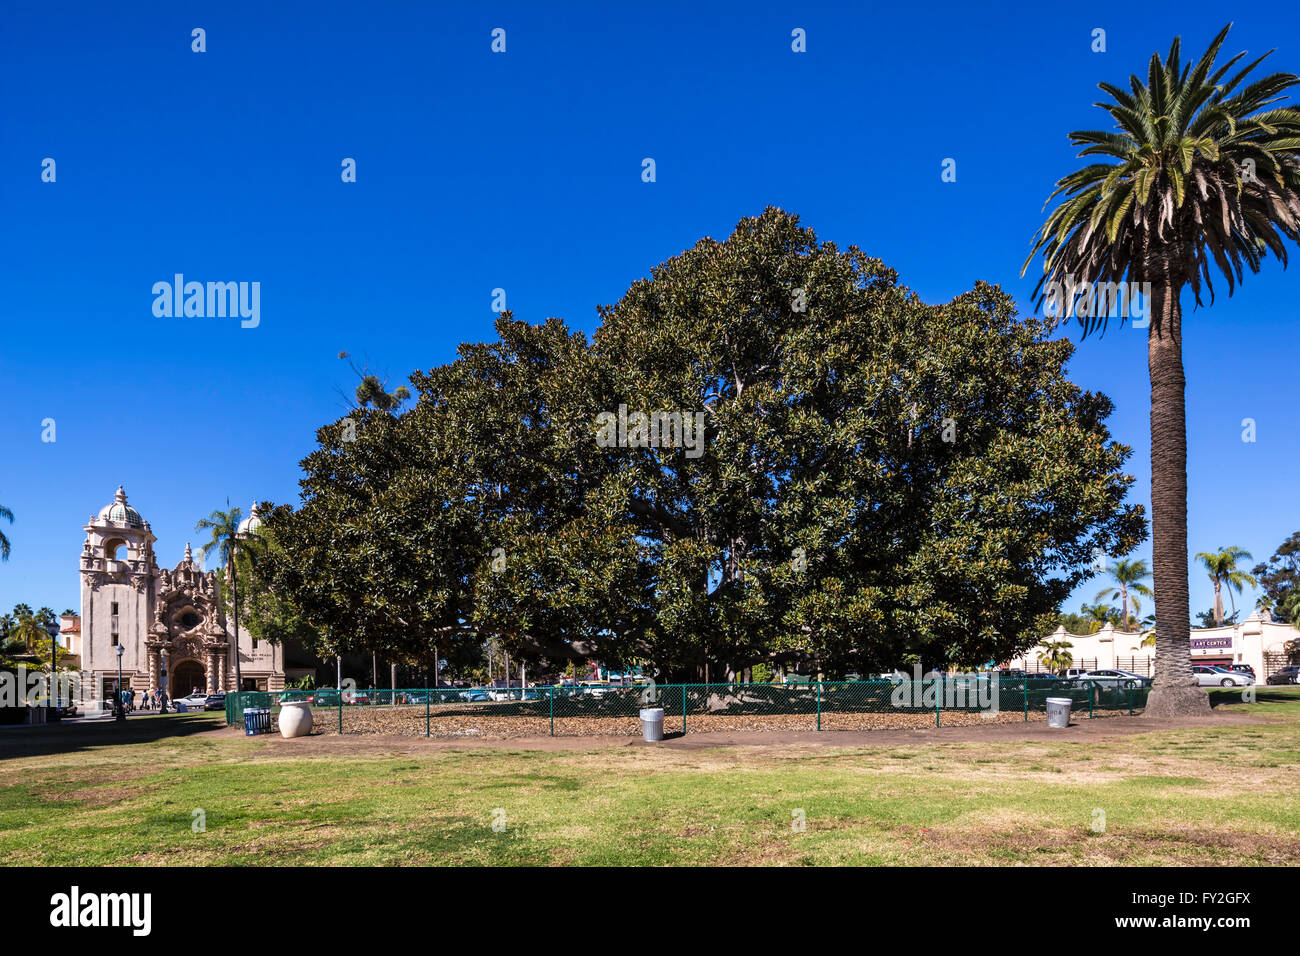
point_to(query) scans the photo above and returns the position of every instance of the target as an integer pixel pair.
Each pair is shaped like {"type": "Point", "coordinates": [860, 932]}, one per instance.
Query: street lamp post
{"type": "Point", "coordinates": [53, 630]}
{"type": "Point", "coordinates": [117, 694]}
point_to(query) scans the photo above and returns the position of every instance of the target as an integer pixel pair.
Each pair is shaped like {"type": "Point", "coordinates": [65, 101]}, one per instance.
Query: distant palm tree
{"type": "Point", "coordinates": [31, 627]}
{"type": "Point", "coordinates": [1222, 568]}
{"type": "Point", "coordinates": [7, 624]}
{"type": "Point", "coordinates": [4, 542]}
{"type": "Point", "coordinates": [1203, 175]}
{"type": "Point", "coordinates": [1056, 655]}
{"type": "Point", "coordinates": [1097, 614]}
{"type": "Point", "coordinates": [1130, 575]}
{"type": "Point", "coordinates": [1149, 631]}
{"type": "Point", "coordinates": [224, 526]}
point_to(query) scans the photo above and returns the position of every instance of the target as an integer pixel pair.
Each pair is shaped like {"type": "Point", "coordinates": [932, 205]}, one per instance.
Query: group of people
{"type": "Point", "coordinates": [149, 700]}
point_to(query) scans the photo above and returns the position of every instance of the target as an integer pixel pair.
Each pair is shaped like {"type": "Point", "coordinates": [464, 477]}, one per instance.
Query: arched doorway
{"type": "Point", "coordinates": [186, 676]}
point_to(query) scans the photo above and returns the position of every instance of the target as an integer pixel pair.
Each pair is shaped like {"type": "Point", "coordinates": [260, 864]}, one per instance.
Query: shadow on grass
{"type": "Point", "coordinates": [1264, 694]}
{"type": "Point", "coordinates": [59, 738]}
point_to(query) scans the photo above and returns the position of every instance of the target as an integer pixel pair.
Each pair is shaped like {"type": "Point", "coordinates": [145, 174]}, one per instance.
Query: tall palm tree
{"type": "Point", "coordinates": [1222, 568]}
{"type": "Point", "coordinates": [4, 542]}
{"type": "Point", "coordinates": [224, 526]}
{"type": "Point", "coordinates": [1202, 175]}
{"type": "Point", "coordinates": [1130, 576]}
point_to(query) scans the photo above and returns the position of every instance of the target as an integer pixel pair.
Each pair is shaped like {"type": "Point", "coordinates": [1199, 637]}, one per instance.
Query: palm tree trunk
{"type": "Point", "coordinates": [1218, 602]}
{"type": "Point", "coordinates": [1174, 691]}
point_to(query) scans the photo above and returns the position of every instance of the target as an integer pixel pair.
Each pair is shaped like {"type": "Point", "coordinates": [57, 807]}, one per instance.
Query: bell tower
{"type": "Point", "coordinates": [117, 583]}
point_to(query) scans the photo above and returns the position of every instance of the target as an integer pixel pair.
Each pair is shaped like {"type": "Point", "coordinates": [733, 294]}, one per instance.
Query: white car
{"type": "Point", "coordinates": [1111, 678]}
{"type": "Point", "coordinates": [1208, 676]}
{"type": "Point", "coordinates": [193, 701]}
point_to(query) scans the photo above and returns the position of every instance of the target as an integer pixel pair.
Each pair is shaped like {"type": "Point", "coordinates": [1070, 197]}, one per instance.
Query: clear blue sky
{"type": "Point", "coordinates": [522, 171]}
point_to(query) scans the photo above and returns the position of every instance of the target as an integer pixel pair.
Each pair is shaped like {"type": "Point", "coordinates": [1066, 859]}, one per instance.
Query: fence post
{"type": "Point", "coordinates": [819, 705]}
{"type": "Point", "coordinates": [550, 695]}
{"type": "Point", "coordinates": [1093, 691]}
{"type": "Point", "coordinates": [427, 707]}
{"type": "Point", "coordinates": [1130, 698]}
{"type": "Point", "coordinates": [683, 686]}
{"type": "Point", "coordinates": [340, 693]}
{"type": "Point", "coordinates": [1025, 683]}
{"type": "Point", "coordinates": [937, 694]}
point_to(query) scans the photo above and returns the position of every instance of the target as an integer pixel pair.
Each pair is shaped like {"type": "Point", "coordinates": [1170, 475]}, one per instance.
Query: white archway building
{"type": "Point", "coordinates": [1258, 641]}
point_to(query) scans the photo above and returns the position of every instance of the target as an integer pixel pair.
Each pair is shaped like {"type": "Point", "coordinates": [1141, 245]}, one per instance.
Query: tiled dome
{"type": "Point", "coordinates": [254, 521]}
{"type": "Point", "coordinates": [119, 512]}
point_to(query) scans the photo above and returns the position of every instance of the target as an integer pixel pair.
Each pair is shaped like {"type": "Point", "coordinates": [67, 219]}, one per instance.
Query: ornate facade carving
{"type": "Point", "coordinates": [162, 618]}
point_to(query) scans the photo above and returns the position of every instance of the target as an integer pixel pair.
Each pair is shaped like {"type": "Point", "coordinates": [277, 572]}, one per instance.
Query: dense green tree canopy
{"type": "Point", "coordinates": [874, 477]}
{"type": "Point", "coordinates": [1279, 578]}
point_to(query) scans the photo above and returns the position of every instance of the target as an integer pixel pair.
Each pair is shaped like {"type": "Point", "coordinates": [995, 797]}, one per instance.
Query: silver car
{"type": "Point", "coordinates": [1111, 679]}
{"type": "Point", "coordinates": [1208, 676]}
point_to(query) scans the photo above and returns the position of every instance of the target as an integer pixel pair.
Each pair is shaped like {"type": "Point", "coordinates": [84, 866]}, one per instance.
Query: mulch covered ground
{"type": "Point", "coordinates": [765, 739]}
{"type": "Point", "coordinates": [488, 723]}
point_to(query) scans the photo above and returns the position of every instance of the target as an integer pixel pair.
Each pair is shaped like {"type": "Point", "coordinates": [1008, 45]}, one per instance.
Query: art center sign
{"type": "Point", "coordinates": [1212, 643]}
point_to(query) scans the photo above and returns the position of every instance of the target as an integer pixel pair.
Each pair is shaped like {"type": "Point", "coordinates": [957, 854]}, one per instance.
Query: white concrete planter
{"type": "Point", "coordinates": [295, 718]}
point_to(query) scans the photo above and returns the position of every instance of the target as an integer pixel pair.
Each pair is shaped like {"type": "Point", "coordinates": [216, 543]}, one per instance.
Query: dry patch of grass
{"type": "Point", "coordinates": [1212, 795]}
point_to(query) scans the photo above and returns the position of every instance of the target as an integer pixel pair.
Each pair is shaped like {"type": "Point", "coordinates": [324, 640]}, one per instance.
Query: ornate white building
{"type": "Point", "coordinates": [170, 624]}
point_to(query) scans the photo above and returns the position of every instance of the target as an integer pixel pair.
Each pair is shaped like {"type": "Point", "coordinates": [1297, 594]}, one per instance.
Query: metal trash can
{"type": "Point", "coordinates": [1058, 711]}
{"type": "Point", "coordinates": [257, 720]}
{"type": "Point", "coordinates": [652, 723]}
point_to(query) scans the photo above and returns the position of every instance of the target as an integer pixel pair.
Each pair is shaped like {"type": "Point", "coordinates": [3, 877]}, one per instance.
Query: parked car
{"type": "Point", "coordinates": [1111, 679]}
{"type": "Point", "coordinates": [1208, 676]}
{"type": "Point", "coordinates": [215, 702]}
{"type": "Point", "coordinates": [1071, 673]}
{"type": "Point", "coordinates": [474, 695]}
{"type": "Point", "coordinates": [1287, 675]}
{"type": "Point", "coordinates": [1242, 669]}
{"type": "Point", "coordinates": [195, 701]}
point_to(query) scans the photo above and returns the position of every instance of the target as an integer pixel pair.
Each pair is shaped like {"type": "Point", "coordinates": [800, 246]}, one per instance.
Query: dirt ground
{"type": "Point", "coordinates": [1117, 726]}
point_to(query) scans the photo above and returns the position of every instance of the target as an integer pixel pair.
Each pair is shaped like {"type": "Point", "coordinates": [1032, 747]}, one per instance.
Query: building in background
{"type": "Point", "coordinates": [1258, 641]}
{"type": "Point", "coordinates": [169, 623]}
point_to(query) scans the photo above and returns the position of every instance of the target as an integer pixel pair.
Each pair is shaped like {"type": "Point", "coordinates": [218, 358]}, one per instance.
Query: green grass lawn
{"type": "Point", "coordinates": [1221, 795]}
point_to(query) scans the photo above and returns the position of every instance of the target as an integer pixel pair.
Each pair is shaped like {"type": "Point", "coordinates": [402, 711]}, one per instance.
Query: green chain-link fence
{"type": "Point", "coordinates": [564, 711]}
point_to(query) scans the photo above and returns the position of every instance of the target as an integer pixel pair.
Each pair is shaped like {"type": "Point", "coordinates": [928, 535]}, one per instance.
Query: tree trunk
{"type": "Point", "coordinates": [1218, 603]}
{"type": "Point", "coordinates": [234, 597]}
{"type": "Point", "coordinates": [1174, 691]}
